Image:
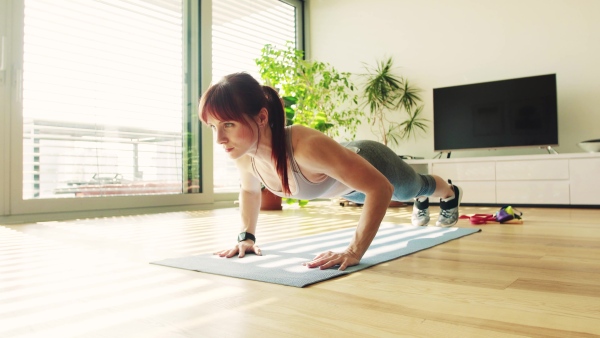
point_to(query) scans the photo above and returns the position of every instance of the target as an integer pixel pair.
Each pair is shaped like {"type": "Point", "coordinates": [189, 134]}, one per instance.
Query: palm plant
{"type": "Point", "coordinates": [386, 92]}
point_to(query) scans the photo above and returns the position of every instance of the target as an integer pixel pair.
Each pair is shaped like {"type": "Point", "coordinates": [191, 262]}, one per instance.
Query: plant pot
{"type": "Point", "coordinates": [269, 201]}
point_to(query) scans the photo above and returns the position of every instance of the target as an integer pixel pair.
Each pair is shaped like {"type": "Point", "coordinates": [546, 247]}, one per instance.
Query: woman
{"type": "Point", "coordinates": [248, 120]}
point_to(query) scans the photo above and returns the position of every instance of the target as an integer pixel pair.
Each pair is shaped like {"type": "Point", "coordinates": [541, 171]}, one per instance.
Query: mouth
{"type": "Point", "coordinates": [227, 150]}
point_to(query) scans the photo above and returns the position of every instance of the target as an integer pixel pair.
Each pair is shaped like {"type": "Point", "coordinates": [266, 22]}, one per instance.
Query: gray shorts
{"type": "Point", "coordinates": [407, 183]}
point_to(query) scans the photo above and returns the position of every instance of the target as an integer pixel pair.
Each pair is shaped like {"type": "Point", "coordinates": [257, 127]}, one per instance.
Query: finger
{"type": "Point", "coordinates": [231, 253]}
{"type": "Point", "coordinates": [329, 264]}
{"type": "Point", "coordinates": [309, 264]}
{"type": "Point", "coordinates": [257, 251]}
{"type": "Point", "coordinates": [317, 263]}
{"type": "Point", "coordinates": [319, 259]}
{"type": "Point", "coordinates": [343, 266]}
{"type": "Point", "coordinates": [314, 263]}
{"type": "Point", "coordinates": [323, 255]}
{"type": "Point", "coordinates": [319, 256]}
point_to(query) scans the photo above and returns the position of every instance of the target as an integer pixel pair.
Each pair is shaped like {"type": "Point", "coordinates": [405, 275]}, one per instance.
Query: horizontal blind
{"type": "Point", "coordinates": [103, 92]}
{"type": "Point", "coordinates": [241, 28]}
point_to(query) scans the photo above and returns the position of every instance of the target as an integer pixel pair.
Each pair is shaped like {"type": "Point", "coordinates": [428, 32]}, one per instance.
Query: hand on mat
{"type": "Point", "coordinates": [242, 248]}
{"type": "Point", "coordinates": [325, 260]}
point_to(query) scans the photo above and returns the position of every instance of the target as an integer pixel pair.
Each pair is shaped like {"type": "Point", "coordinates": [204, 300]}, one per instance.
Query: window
{"type": "Point", "coordinates": [104, 98]}
{"type": "Point", "coordinates": [240, 30]}
{"type": "Point", "coordinates": [102, 107]}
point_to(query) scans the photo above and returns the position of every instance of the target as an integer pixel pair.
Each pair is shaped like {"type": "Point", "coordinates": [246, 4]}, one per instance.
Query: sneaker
{"type": "Point", "coordinates": [420, 213]}
{"type": "Point", "coordinates": [449, 208]}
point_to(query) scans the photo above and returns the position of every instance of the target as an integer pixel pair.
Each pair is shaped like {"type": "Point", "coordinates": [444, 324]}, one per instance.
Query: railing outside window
{"type": "Point", "coordinates": [103, 98]}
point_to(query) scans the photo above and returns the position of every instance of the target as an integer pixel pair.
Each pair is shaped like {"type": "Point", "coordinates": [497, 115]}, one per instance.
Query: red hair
{"type": "Point", "coordinates": [239, 95]}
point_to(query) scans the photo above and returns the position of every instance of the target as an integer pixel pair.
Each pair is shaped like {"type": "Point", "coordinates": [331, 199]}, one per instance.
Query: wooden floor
{"type": "Point", "coordinates": [92, 278]}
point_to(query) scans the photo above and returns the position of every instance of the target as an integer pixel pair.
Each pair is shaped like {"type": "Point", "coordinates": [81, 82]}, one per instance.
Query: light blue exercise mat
{"type": "Point", "coordinates": [281, 262]}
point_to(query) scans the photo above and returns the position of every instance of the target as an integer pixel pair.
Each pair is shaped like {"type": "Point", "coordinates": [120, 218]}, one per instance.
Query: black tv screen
{"type": "Point", "coordinates": [508, 113]}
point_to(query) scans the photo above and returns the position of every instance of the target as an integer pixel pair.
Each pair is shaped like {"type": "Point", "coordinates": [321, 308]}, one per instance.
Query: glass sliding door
{"type": "Point", "coordinates": [108, 100]}
{"type": "Point", "coordinates": [240, 29]}
{"type": "Point", "coordinates": [102, 98]}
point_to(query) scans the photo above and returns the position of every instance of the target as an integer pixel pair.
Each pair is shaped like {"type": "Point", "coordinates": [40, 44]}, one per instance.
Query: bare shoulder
{"type": "Point", "coordinates": [301, 132]}
{"type": "Point", "coordinates": [307, 141]}
{"type": "Point", "coordinates": [313, 148]}
{"type": "Point", "coordinates": [248, 180]}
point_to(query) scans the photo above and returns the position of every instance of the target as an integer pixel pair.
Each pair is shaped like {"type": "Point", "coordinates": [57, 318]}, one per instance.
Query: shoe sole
{"type": "Point", "coordinates": [420, 225]}
{"type": "Point", "coordinates": [457, 208]}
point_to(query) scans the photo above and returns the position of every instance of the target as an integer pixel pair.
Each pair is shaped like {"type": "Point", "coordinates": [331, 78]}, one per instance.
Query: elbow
{"type": "Point", "coordinates": [249, 193]}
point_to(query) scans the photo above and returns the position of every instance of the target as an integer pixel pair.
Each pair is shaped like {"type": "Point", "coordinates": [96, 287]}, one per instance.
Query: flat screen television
{"type": "Point", "coordinates": [518, 112]}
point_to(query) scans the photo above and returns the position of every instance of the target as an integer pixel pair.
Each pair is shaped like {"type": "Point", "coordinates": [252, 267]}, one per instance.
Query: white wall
{"type": "Point", "coordinates": [438, 43]}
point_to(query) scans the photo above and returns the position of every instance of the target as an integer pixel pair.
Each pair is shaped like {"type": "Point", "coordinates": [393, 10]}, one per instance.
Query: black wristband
{"type": "Point", "coordinates": [246, 235]}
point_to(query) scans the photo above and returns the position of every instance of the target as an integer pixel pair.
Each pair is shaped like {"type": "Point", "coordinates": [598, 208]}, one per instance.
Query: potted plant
{"type": "Point", "coordinates": [314, 93]}
{"type": "Point", "coordinates": [268, 200]}
{"type": "Point", "coordinates": [385, 93]}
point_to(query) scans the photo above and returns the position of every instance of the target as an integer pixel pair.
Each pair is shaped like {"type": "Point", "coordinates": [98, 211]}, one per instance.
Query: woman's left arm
{"type": "Point", "coordinates": [318, 153]}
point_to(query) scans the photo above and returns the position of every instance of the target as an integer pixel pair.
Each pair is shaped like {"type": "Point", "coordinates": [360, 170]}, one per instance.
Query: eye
{"type": "Point", "coordinates": [228, 124]}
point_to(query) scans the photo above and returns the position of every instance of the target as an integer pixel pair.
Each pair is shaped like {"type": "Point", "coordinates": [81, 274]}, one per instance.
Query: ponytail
{"type": "Point", "coordinates": [278, 141]}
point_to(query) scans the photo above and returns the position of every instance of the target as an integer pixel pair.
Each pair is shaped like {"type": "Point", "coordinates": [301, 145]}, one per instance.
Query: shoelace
{"type": "Point", "coordinates": [422, 213]}
{"type": "Point", "coordinates": [445, 213]}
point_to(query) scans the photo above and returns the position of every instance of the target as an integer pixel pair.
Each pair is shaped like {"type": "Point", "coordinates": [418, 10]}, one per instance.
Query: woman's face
{"type": "Point", "coordinates": [236, 138]}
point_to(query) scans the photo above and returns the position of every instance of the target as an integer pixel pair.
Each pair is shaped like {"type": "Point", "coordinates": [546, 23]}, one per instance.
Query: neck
{"type": "Point", "coordinates": [264, 146]}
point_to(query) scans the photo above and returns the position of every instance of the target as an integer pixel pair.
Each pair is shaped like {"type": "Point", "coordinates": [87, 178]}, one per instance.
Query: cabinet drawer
{"type": "Point", "coordinates": [532, 192]}
{"type": "Point", "coordinates": [477, 192]}
{"type": "Point", "coordinates": [467, 171]}
{"type": "Point", "coordinates": [585, 185]}
{"type": "Point", "coordinates": [532, 170]}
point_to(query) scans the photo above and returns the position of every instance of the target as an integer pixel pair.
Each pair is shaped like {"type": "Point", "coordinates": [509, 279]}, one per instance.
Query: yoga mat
{"type": "Point", "coordinates": [281, 262]}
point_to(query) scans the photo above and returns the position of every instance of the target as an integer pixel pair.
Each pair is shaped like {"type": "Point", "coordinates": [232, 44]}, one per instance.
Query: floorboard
{"type": "Point", "coordinates": [92, 278]}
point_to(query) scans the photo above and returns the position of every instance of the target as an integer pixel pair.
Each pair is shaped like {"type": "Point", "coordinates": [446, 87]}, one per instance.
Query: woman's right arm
{"type": "Point", "coordinates": [249, 204]}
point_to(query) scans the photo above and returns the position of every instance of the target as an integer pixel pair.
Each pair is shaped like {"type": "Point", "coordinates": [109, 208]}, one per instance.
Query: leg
{"type": "Point", "coordinates": [442, 190]}
{"type": "Point", "coordinates": [449, 195]}
{"type": "Point", "coordinates": [409, 185]}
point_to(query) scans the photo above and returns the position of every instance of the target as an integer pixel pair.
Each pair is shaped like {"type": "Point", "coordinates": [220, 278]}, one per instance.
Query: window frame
{"type": "Point", "coordinates": [5, 90]}
{"type": "Point", "coordinates": [18, 206]}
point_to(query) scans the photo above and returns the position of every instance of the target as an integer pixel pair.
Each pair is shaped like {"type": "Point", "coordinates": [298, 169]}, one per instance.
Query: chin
{"type": "Point", "coordinates": [234, 155]}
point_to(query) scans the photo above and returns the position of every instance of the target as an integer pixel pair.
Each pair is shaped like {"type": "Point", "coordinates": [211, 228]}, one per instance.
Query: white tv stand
{"type": "Point", "coordinates": [545, 179]}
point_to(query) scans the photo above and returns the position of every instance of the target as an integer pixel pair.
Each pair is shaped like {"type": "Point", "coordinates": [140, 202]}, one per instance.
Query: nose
{"type": "Point", "coordinates": [219, 136]}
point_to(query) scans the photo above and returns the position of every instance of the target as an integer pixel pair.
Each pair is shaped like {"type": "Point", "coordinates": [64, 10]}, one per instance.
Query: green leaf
{"type": "Point", "coordinates": [385, 93]}
{"type": "Point", "coordinates": [316, 87]}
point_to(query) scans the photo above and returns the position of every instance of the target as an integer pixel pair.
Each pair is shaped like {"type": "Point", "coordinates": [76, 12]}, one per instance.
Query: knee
{"type": "Point", "coordinates": [390, 190]}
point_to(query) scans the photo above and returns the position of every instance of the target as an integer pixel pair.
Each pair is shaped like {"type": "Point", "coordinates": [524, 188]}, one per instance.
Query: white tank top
{"type": "Point", "coordinates": [305, 189]}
